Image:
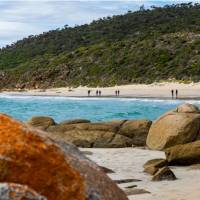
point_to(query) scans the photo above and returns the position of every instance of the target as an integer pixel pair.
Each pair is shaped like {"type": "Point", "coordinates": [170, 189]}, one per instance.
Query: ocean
{"type": "Point", "coordinates": [94, 109]}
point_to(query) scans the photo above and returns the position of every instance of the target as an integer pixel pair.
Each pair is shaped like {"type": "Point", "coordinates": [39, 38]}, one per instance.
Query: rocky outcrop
{"type": "Point", "coordinates": [75, 121]}
{"type": "Point", "coordinates": [12, 191]}
{"type": "Point", "coordinates": [41, 122]}
{"type": "Point", "coordinates": [179, 126]}
{"type": "Point", "coordinates": [53, 169]}
{"type": "Point", "coordinates": [111, 134]}
{"type": "Point", "coordinates": [137, 130]}
{"type": "Point", "coordinates": [185, 154]}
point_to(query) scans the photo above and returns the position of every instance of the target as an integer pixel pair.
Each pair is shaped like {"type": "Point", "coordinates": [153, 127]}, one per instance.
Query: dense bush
{"type": "Point", "coordinates": [138, 47]}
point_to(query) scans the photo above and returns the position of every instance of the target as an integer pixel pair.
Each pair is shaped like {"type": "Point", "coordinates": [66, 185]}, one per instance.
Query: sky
{"type": "Point", "coordinates": [21, 18]}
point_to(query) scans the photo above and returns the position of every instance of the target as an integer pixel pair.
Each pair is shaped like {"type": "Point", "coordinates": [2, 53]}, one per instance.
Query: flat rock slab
{"type": "Point", "coordinates": [131, 186]}
{"type": "Point", "coordinates": [87, 152]}
{"type": "Point", "coordinates": [126, 181]}
{"type": "Point", "coordinates": [136, 191]}
{"type": "Point", "coordinates": [106, 170]}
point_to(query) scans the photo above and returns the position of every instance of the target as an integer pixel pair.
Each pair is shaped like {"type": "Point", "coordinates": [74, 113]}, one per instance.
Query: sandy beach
{"type": "Point", "coordinates": [128, 163]}
{"type": "Point", "coordinates": [155, 90]}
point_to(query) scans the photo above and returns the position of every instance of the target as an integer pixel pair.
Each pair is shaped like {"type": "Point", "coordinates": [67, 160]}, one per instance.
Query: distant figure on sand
{"type": "Point", "coordinates": [172, 91]}
{"type": "Point", "coordinates": [118, 92]}
{"type": "Point", "coordinates": [89, 91]}
{"type": "Point", "coordinates": [176, 94]}
{"type": "Point", "coordinates": [97, 92]}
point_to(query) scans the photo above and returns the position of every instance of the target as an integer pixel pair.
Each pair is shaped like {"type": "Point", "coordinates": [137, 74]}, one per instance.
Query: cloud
{"type": "Point", "coordinates": [20, 18]}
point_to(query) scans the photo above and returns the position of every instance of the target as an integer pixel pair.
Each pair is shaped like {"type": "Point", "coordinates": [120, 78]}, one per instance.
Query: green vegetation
{"type": "Point", "coordinates": [138, 47]}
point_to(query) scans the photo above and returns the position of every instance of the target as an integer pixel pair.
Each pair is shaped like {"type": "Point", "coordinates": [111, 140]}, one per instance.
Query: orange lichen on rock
{"type": "Point", "coordinates": [28, 159]}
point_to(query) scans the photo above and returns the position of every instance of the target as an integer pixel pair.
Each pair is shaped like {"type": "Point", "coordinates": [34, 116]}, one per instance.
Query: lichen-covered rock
{"type": "Point", "coordinates": [137, 130]}
{"type": "Point", "coordinates": [12, 191]}
{"type": "Point", "coordinates": [55, 170]}
{"type": "Point", "coordinates": [41, 122]}
{"type": "Point", "coordinates": [174, 128]}
{"type": "Point", "coordinates": [185, 154]}
{"type": "Point", "coordinates": [164, 173]}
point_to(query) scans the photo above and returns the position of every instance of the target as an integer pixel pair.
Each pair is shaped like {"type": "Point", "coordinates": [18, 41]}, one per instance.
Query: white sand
{"type": "Point", "coordinates": [156, 90]}
{"type": "Point", "coordinates": [128, 162]}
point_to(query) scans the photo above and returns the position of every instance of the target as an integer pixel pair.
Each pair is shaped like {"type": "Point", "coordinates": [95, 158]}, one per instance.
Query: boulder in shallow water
{"type": "Point", "coordinates": [41, 122]}
{"type": "Point", "coordinates": [55, 170]}
{"type": "Point", "coordinates": [185, 154]}
{"type": "Point", "coordinates": [173, 128]}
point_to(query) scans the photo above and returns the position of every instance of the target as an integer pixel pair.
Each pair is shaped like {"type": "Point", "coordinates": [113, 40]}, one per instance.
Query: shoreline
{"type": "Point", "coordinates": [142, 91]}
{"type": "Point", "coordinates": [105, 97]}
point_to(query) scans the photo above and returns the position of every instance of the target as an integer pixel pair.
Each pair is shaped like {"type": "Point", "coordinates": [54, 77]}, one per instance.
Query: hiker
{"type": "Point", "coordinates": [172, 91]}
{"type": "Point", "coordinates": [97, 93]}
{"type": "Point", "coordinates": [176, 94]}
{"type": "Point", "coordinates": [89, 91]}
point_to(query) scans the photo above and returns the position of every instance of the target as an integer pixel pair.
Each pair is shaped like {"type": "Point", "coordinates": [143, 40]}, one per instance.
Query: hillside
{"type": "Point", "coordinates": [138, 47]}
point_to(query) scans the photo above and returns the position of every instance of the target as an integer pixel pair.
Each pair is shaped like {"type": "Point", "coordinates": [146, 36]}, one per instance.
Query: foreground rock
{"type": "Point", "coordinates": [185, 154]}
{"type": "Point", "coordinates": [179, 126]}
{"type": "Point", "coordinates": [164, 173]}
{"type": "Point", "coordinates": [12, 191]}
{"type": "Point", "coordinates": [54, 170]}
{"type": "Point", "coordinates": [113, 134]}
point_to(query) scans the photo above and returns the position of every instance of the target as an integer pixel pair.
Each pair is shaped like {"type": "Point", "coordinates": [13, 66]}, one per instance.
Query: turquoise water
{"type": "Point", "coordinates": [62, 108]}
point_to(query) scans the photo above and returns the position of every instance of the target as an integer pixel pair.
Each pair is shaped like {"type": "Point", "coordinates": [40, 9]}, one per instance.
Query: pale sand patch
{"type": "Point", "coordinates": [128, 163]}
{"type": "Point", "coordinates": [156, 90]}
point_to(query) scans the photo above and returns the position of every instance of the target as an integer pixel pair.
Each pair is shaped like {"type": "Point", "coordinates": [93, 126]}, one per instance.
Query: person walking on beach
{"type": "Point", "coordinates": [176, 93]}
{"type": "Point", "coordinates": [172, 91]}
{"type": "Point", "coordinates": [89, 91]}
{"type": "Point", "coordinates": [97, 92]}
{"type": "Point", "coordinates": [118, 92]}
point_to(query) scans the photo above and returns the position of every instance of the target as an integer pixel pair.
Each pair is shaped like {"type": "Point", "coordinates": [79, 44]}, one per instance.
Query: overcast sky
{"type": "Point", "coordinates": [19, 18]}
